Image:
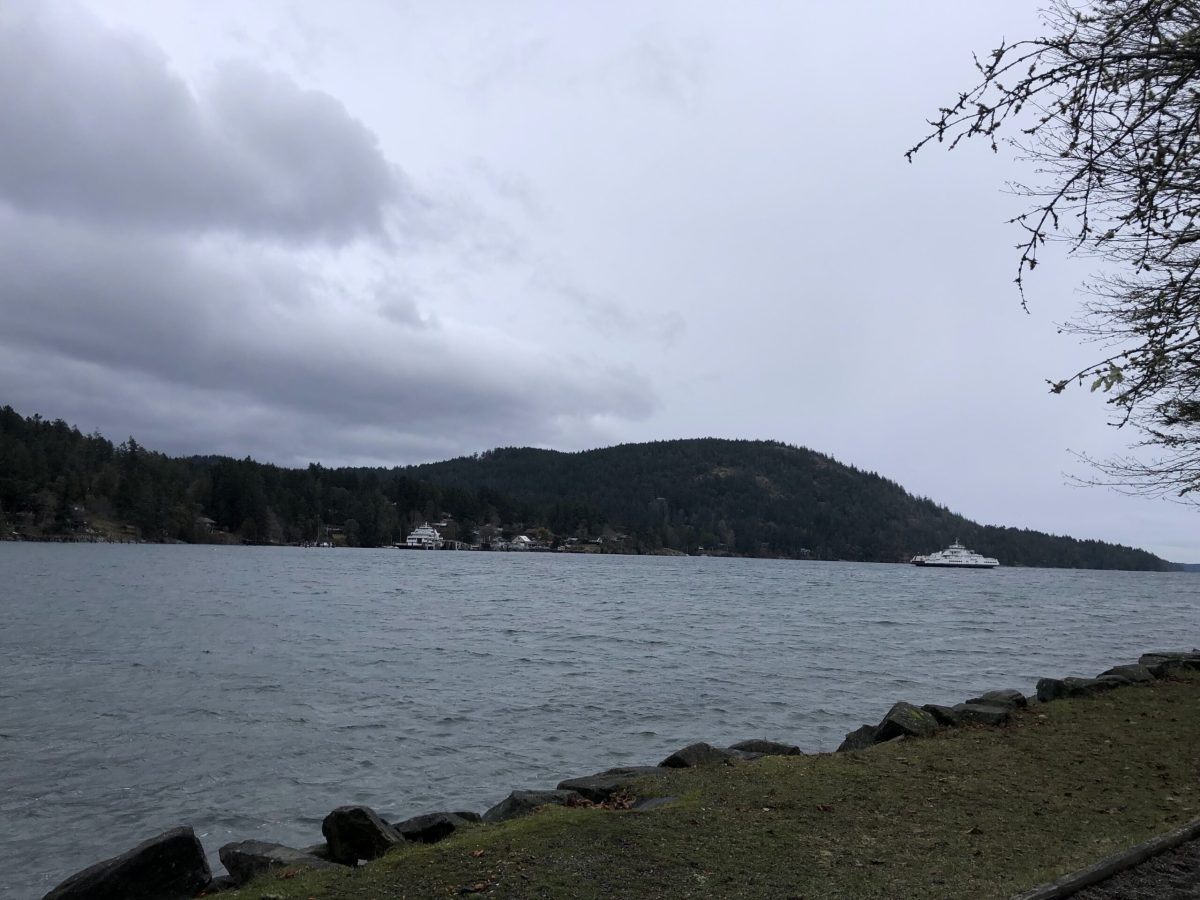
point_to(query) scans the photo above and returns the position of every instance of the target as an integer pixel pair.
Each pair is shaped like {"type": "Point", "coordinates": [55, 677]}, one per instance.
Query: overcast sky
{"type": "Point", "coordinates": [386, 233]}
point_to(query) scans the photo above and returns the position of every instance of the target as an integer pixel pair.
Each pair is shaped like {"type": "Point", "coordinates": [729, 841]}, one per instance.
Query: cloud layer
{"type": "Point", "coordinates": [190, 264]}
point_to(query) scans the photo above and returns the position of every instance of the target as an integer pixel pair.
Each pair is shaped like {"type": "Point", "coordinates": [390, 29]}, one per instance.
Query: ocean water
{"type": "Point", "coordinates": [248, 691]}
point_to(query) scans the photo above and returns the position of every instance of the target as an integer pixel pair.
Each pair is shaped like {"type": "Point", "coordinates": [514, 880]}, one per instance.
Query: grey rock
{"type": "Point", "coordinates": [698, 754]}
{"type": "Point", "coordinates": [1006, 697]}
{"type": "Point", "coordinates": [944, 715]}
{"type": "Point", "coordinates": [744, 755]}
{"type": "Point", "coordinates": [166, 867]}
{"type": "Point", "coordinates": [431, 827]}
{"type": "Point", "coordinates": [1136, 674]}
{"type": "Point", "coordinates": [1160, 669]}
{"type": "Point", "coordinates": [357, 832]}
{"type": "Point", "coordinates": [246, 859]}
{"type": "Point", "coordinates": [320, 851]}
{"type": "Point", "coordinates": [602, 785]}
{"type": "Point", "coordinates": [1058, 688]}
{"type": "Point", "coordinates": [472, 817]}
{"type": "Point", "coordinates": [767, 748]}
{"type": "Point", "coordinates": [859, 739]}
{"type": "Point", "coordinates": [904, 719]}
{"type": "Point", "coordinates": [522, 803]}
{"type": "Point", "coordinates": [983, 713]}
{"type": "Point", "coordinates": [1171, 659]}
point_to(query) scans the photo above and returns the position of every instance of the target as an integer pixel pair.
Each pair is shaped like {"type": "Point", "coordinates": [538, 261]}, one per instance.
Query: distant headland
{"type": "Point", "coordinates": [702, 496]}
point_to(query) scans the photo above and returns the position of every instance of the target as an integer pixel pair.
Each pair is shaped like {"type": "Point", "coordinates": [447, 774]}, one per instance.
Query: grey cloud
{"type": "Point", "coordinates": [95, 125]}
{"type": "Point", "coordinates": [672, 70]}
{"type": "Point", "coordinates": [606, 316]}
{"type": "Point", "coordinates": [231, 332]}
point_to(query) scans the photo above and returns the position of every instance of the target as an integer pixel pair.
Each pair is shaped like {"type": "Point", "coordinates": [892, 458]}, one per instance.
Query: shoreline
{"type": "Point", "coordinates": [904, 726]}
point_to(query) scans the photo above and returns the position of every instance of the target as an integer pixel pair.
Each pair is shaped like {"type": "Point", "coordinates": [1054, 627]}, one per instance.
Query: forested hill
{"type": "Point", "coordinates": [751, 498]}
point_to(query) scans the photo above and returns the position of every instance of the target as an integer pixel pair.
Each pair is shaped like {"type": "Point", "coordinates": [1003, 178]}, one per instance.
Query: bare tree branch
{"type": "Point", "coordinates": [1107, 105]}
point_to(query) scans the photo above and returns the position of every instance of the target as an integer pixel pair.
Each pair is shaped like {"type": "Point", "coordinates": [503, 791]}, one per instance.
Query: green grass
{"type": "Point", "coordinates": [967, 813]}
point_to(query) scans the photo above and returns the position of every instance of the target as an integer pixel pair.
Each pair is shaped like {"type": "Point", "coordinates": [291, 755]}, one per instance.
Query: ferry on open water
{"type": "Point", "coordinates": [956, 556]}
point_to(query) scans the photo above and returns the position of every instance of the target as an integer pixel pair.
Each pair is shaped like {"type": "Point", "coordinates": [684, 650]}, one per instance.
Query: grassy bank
{"type": "Point", "coordinates": [976, 812]}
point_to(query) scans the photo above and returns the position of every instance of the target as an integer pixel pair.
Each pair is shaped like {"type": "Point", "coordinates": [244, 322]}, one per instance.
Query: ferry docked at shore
{"type": "Point", "coordinates": [956, 556]}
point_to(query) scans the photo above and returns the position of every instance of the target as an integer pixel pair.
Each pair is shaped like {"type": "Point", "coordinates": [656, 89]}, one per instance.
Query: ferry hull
{"type": "Point", "coordinates": [929, 565]}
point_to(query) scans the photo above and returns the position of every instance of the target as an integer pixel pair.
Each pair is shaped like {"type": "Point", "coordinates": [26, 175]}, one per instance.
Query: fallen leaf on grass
{"type": "Point", "coordinates": [477, 853]}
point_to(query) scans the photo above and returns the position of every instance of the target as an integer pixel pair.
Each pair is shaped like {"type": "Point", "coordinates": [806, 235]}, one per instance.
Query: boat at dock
{"type": "Point", "coordinates": [956, 556]}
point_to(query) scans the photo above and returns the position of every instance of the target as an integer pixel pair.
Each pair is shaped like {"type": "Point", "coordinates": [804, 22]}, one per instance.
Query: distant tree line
{"type": "Point", "coordinates": [753, 498]}
{"type": "Point", "coordinates": [745, 498]}
{"type": "Point", "coordinates": [48, 469]}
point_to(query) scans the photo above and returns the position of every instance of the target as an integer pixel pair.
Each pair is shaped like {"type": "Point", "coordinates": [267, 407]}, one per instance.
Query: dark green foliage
{"type": "Point", "coordinates": [753, 498]}
{"type": "Point", "coordinates": [749, 498]}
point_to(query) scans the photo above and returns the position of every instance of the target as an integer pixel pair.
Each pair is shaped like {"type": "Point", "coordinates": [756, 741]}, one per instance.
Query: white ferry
{"type": "Point", "coordinates": [956, 556]}
{"type": "Point", "coordinates": [425, 537]}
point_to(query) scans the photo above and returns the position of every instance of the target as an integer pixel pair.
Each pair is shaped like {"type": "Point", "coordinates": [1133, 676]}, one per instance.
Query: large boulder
{"type": "Point", "coordinates": [166, 867]}
{"type": "Point", "coordinates": [1059, 688]}
{"type": "Point", "coordinates": [906, 720]}
{"type": "Point", "coordinates": [599, 787]}
{"type": "Point", "coordinates": [245, 859]}
{"type": "Point", "coordinates": [971, 713]}
{"type": "Point", "coordinates": [767, 748]}
{"type": "Point", "coordinates": [743, 755]}
{"type": "Point", "coordinates": [357, 832]}
{"type": "Point", "coordinates": [522, 803]}
{"type": "Point", "coordinates": [1136, 674]}
{"type": "Point", "coordinates": [698, 754]}
{"type": "Point", "coordinates": [1005, 697]}
{"type": "Point", "coordinates": [1163, 661]}
{"type": "Point", "coordinates": [859, 739]}
{"type": "Point", "coordinates": [943, 715]}
{"type": "Point", "coordinates": [431, 827]}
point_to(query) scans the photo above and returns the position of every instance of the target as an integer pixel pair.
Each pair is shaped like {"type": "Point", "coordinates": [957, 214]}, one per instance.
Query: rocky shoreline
{"type": "Point", "coordinates": [173, 864]}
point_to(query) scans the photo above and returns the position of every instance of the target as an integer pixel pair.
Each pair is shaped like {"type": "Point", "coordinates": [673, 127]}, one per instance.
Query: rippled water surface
{"type": "Point", "coordinates": [248, 691]}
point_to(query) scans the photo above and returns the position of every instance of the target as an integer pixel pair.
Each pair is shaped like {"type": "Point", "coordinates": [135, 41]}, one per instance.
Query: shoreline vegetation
{"type": "Point", "coordinates": [984, 799]}
{"type": "Point", "coordinates": [704, 496]}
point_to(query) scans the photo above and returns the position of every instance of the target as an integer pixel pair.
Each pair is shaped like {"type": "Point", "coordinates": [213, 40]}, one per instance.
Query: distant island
{"type": "Point", "coordinates": [702, 496]}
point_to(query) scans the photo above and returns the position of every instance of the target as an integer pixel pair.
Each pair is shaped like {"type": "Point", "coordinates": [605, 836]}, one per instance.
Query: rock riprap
{"type": "Point", "coordinates": [166, 867]}
{"type": "Point", "coordinates": [357, 832]}
{"type": "Point", "coordinates": [603, 785]}
{"type": "Point", "coordinates": [1049, 689]}
{"type": "Point", "coordinates": [973, 713]}
{"type": "Point", "coordinates": [905, 720]}
{"type": "Point", "coordinates": [697, 754]}
{"type": "Point", "coordinates": [766, 748]}
{"type": "Point", "coordinates": [245, 859]}
{"type": "Point", "coordinates": [433, 827]}
{"type": "Point", "coordinates": [522, 803]}
{"type": "Point", "coordinates": [945, 715]}
{"type": "Point", "coordinates": [1006, 697]}
{"type": "Point", "coordinates": [859, 739]}
{"type": "Point", "coordinates": [1165, 660]}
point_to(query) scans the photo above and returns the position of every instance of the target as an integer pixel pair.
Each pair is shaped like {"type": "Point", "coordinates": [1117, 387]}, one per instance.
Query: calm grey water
{"type": "Point", "coordinates": [249, 691]}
